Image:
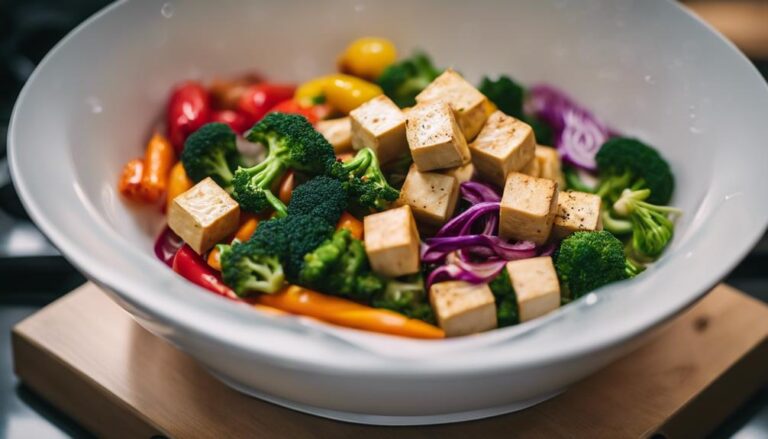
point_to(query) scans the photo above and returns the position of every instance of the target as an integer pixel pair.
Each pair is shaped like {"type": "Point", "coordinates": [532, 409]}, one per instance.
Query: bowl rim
{"type": "Point", "coordinates": [188, 317]}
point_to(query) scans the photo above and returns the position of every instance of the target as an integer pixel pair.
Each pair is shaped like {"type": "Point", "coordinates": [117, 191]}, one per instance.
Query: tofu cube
{"type": "Point", "coordinates": [528, 208]}
{"type": "Point", "coordinates": [463, 308]}
{"type": "Point", "coordinates": [504, 144]}
{"type": "Point", "coordinates": [536, 286]}
{"type": "Point", "coordinates": [392, 242]}
{"type": "Point", "coordinates": [431, 195]}
{"type": "Point", "coordinates": [338, 132]}
{"type": "Point", "coordinates": [380, 125]}
{"type": "Point", "coordinates": [462, 173]}
{"type": "Point", "coordinates": [549, 164]}
{"type": "Point", "coordinates": [435, 139]}
{"type": "Point", "coordinates": [576, 211]}
{"type": "Point", "coordinates": [204, 215]}
{"type": "Point", "coordinates": [532, 168]}
{"type": "Point", "coordinates": [469, 105]}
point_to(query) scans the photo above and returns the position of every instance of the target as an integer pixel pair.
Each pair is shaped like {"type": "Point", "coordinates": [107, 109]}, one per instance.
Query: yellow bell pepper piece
{"type": "Point", "coordinates": [342, 92]}
{"type": "Point", "coordinates": [367, 57]}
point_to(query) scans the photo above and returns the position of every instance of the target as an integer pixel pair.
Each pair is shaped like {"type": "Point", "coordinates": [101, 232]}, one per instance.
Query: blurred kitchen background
{"type": "Point", "coordinates": [32, 273]}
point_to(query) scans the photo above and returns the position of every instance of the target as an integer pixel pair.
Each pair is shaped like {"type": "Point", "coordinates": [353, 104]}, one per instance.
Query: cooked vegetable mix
{"type": "Point", "coordinates": [396, 197]}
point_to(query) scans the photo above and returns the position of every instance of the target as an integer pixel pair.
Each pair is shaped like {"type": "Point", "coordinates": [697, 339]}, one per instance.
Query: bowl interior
{"type": "Point", "coordinates": [647, 68]}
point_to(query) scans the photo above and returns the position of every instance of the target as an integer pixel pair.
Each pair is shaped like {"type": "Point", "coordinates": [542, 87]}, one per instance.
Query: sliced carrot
{"type": "Point", "coordinates": [130, 180]}
{"type": "Point", "coordinates": [248, 224]}
{"type": "Point", "coordinates": [349, 222]}
{"type": "Point", "coordinates": [287, 184]}
{"type": "Point", "coordinates": [158, 160]}
{"type": "Point", "coordinates": [342, 312]}
{"type": "Point", "coordinates": [345, 156]}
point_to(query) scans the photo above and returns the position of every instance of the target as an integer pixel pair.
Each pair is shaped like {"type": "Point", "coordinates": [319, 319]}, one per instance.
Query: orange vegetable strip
{"type": "Point", "coordinates": [287, 183]}
{"type": "Point", "coordinates": [349, 222]}
{"type": "Point", "coordinates": [342, 312]}
{"type": "Point", "coordinates": [130, 180]}
{"type": "Point", "coordinates": [214, 259]}
{"type": "Point", "coordinates": [248, 225]}
{"type": "Point", "coordinates": [178, 182]}
{"type": "Point", "coordinates": [158, 160]}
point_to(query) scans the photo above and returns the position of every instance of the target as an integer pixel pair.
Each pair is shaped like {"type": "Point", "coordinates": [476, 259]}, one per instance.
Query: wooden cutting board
{"type": "Point", "coordinates": [90, 359]}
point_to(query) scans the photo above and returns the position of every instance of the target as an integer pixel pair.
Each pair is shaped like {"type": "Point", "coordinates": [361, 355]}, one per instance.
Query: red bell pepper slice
{"type": "Point", "coordinates": [193, 268]}
{"type": "Point", "coordinates": [189, 108]}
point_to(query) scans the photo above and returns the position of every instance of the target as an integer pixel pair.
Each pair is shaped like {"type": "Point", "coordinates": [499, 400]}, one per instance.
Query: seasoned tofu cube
{"type": "Point", "coordinates": [576, 211]}
{"type": "Point", "coordinates": [338, 132]}
{"type": "Point", "coordinates": [463, 308]}
{"type": "Point", "coordinates": [380, 125]}
{"type": "Point", "coordinates": [536, 286]}
{"type": "Point", "coordinates": [528, 208]}
{"type": "Point", "coordinates": [469, 105]}
{"type": "Point", "coordinates": [435, 139]}
{"type": "Point", "coordinates": [532, 168]}
{"type": "Point", "coordinates": [431, 195]}
{"type": "Point", "coordinates": [462, 173]}
{"type": "Point", "coordinates": [549, 164]}
{"type": "Point", "coordinates": [392, 242]}
{"type": "Point", "coordinates": [504, 144]}
{"type": "Point", "coordinates": [204, 215]}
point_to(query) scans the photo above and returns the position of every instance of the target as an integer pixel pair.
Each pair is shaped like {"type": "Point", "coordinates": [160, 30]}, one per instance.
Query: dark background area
{"type": "Point", "coordinates": [32, 273]}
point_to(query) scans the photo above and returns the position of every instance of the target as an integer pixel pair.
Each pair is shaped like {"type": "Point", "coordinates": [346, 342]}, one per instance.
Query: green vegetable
{"type": "Point", "coordinates": [651, 227]}
{"type": "Point", "coordinates": [322, 196]}
{"type": "Point", "coordinates": [396, 171]}
{"type": "Point", "coordinates": [505, 93]}
{"type": "Point", "coordinates": [574, 182]}
{"type": "Point", "coordinates": [626, 163]}
{"type": "Point", "coordinates": [339, 266]}
{"type": "Point", "coordinates": [407, 296]}
{"type": "Point", "coordinates": [404, 80]}
{"type": "Point", "coordinates": [291, 238]}
{"type": "Point", "coordinates": [291, 142]}
{"type": "Point", "coordinates": [366, 182]}
{"type": "Point", "coordinates": [586, 261]}
{"type": "Point", "coordinates": [211, 151]}
{"type": "Point", "coordinates": [248, 267]}
{"type": "Point", "coordinates": [507, 313]}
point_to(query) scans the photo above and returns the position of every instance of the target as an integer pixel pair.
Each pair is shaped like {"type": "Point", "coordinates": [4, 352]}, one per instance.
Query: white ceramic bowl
{"type": "Point", "coordinates": [649, 68]}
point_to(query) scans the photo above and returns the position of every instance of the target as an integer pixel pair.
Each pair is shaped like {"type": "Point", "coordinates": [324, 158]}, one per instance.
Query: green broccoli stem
{"type": "Point", "coordinates": [610, 187]}
{"type": "Point", "coordinates": [268, 278]}
{"type": "Point", "coordinates": [360, 162]}
{"type": "Point", "coordinates": [633, 268]}
{"type": "Point", "coordinates": [615, 225]}
{"type": "Point", "coordinates": [574, 181]}
{"type": "Point", "coordinates": [277, 205]}
{"type": "Point", "coordinates": [651, 228]}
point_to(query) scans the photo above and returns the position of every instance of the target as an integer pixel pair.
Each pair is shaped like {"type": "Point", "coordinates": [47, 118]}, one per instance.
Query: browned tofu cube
{"type": "Point", "coordinates": [462, 173]}
{"type": "Point", "coordinates": [380, 125]}
{"type": "Point", "coordinates": [469, 105]}
{"type": "Point", "coordinates": [435, 139]}
{"type": "Point", "coordinates": [431, 195]}
{"type": "Point", "coordinates": [392, 242]}
{"type": "Point", "coordinates": [462, 308]}
{"type": "Point", "coordinates": [536, 286]}
{"type": "Point", "coordinates": [549, 164]}
{"type": "Point", "coordinates": [504, 144]}
{"type": "Point", "coordinates": [338, 132]}
{"type": "Point", "coordinates": [528, 208]}
{"type": "Point", "coordinates": [576, 211]}
{"type": "Point", "coordinates": [204, 215]}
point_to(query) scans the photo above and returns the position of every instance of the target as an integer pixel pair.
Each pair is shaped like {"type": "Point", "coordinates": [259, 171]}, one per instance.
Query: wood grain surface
{"type": "Point", "coordinates": [89, 358]}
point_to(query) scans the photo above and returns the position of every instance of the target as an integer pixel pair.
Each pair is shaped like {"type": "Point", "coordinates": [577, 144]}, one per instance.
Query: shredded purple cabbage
{"type": "Point", "coordinates": [462, 223]}
{"type": "Point", "coordinates": [578, 134]}
{"type": "Point", "coordinates": [476, 245]}
{"type": "Point", "coordinates": [476, 192]}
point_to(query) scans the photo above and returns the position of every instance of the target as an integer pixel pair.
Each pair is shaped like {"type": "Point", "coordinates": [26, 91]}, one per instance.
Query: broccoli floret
{"type": "Point", "coordinates": [408, 296]}
{"type": "Point", "coordinates": [340, 266]}
{"type": "Point", "coordinates": [507, 313]}
{"type": "Point", "coordinates": [290, 238]}
{"type": "Point", "coordinates": [366, 182]}
{"type": "Point", "coordinates": [626, 163]}
{"type": "Point", "coordinates": [211, 151]}
{"type": "Point", "coordinates": [248, 267]}
{"type": "Point", "coordinates": [291, 142]}
{"type": "Point", "coordinates": [586, 261]}
{"type": "Point", "coordinates": [404, 80]}
{"type": "Point", "coordinates": [505, 93]}
{"type": "Point", "coordinates": [321, 196]}
{"type": "Point", "coordinates": [652, 229]}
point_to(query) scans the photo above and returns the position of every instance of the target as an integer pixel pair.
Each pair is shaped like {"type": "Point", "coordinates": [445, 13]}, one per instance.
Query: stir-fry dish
{"type": "Point", "coordinates": [394, 196]}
